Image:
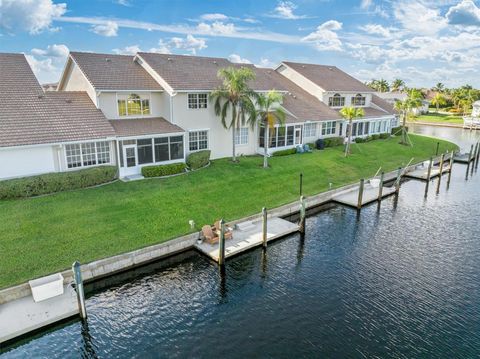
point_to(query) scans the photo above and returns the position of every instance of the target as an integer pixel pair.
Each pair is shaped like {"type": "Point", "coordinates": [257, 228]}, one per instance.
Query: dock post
{"type": "Point", "coordinates": [478, 156]}
{"type": "Point", "coordinates": [221, 241]}
{"type": "Point", "coordinates": [360, 194]}
{"type": "Point", "coordinates": [469, 161]}
{"type": "Point", "coordinates": [77, 275]}
{"type": "Point", "coordinates": [450, 171]}
{"type": "Point", "coordinates": [399, 178]}
{"type": "Point", "coordinates": [429, 173]}
{"type": "Point", "coordinates": [442, 159]}
{"type": "Point", "coordinates": [474, 158]}
{"type": "Point", "coordinates": [301, 184]}
{"type": "Point", "coordinates": [264, 227]}
{"type": "Point", "coordinates": [438, 146]}
{"type": "Point", "coordinates": [303, 213]}
{"type": "Point", "coordinates": [380, 187]}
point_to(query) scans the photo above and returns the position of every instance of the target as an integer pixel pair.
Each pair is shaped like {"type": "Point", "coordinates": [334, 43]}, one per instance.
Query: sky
{"type": "Point", "coordinates": [422, 42]}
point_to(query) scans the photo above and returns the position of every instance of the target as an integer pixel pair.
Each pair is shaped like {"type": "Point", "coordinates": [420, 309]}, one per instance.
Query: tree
{"type": "Point", "coordinates": [382, 86]}
{"type": "Point", "coordinates": [405, 107]}
{"type": "Point", "coordinates": [234, 97]}
{"type": "Point", "coordinates": [439, 100]}
{"type": "Point", "coordinates": [439, 87]}
{"type": "Point", "coordinates": [397, 85]}
{"type": "Point", "coordinates": [350, 114]}
{"type": "Point", "coordinates": [269, 113]}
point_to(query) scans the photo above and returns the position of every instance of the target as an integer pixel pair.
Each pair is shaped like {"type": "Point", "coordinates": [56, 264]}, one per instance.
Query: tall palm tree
{"type": "Point", "coordinates": [383, 86]}
{"type": "Point", "coordinates": [234, 97]}
{"type": "Point", "coordinates": [439, 100]}
{"type": "Point", "coordinates": [405, 107]}
{"type": "Point", "coordinates": [439, 87]}
{"type": "Point", "coordinates": [269, 113]}
{"type": "Point", "coordinates": [397, 85]}
{"type": "Point", "coordinates": [350, 114]}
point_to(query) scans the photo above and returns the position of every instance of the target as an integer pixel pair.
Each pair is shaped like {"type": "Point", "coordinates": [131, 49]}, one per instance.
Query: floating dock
{"type": "Point", "coordinates": [463, 158]}
{"type": "Point", "coordinates": [24, 315]}
{"type": "Point", "coordinates": [249, 237]}
{"type": "Point", "coordinates": [370, 194]}
{"type": "Point", "coordinates": [421, 172]}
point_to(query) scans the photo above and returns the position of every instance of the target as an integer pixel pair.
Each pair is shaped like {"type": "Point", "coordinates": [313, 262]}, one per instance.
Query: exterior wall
{"type": "Point", "coordinates": [301, 81]}
{"type": "Point", "coordinates": [159, 107]}
{"type": "Point", "coordinates": [219, 139]}
{"type": "Point", "coordinates": [75, 80]}
{"type": "Point", "coordinates": [28, 161]}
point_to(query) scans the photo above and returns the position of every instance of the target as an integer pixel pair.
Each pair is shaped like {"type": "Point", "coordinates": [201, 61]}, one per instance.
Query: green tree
{"type": "Point", "coordinates": [439, 100]}
{"type": "Point", "coordinates": [350, 114]}
{"type": "Point", "coordinates": [382, 86]}
{"type": "Point", "coordinates": [269, 112]}
{"type": "Point", "coordinates": [398, 85]}
{"type": "Point", "coordinates": [234, 97]}
{"type": "Point", "coordinates": [439, 87]}
{"type": "Point", "coordinates": [405, 107]}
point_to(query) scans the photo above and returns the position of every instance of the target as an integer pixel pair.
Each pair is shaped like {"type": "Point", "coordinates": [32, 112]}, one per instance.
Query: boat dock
{"type": "Point", "coordinates": [24, 315]}
{"type": "Point", "coordinates": [247, 236]}
{"type": "Point", "coordinates": [352, 197]}
{"type": "Point", "coordinates": [463, 158]}
{"type": "Point", "coordinates": [422, 173]}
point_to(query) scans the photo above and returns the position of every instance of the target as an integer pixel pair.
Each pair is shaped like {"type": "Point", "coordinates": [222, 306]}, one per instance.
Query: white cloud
{"type": "Point", "coordinates": [123, 2]}
{"type": "Point", "coordinates": [464, 13]}
{"type": "Point", "coordinates": [365, 4]}
{"type": "Point", "coordinates": [47, 64]}
{"type": "Point", "coordinates": [108, 29]}
{"type": "Point", "coordinates": [238, 59]}
{"type": "Point", "coordinates": [216, 28]}
{"type": "Point", "coordinates": [52, 51]}
{"type": "Point", "coordinates": [326, 37]}
{"type": "Point", "coordinates": [376, 29]}
{"type": "Point", "coordinates": [190, 43]}
{"type": "Point", "coordinates": [264, 62]}
{"type": "Point", "coordinates": [163, 48]}
{"type": "Point", "coordinates": [285, 10]}
{"type": "Point", "coordinates": [128, 50]}
{"type": "Point", "coordinates": [418, 18]}
{"type": "Point", "coordinates": [33, 16]}
{"type": "Point", "coordinates": [214, 17]}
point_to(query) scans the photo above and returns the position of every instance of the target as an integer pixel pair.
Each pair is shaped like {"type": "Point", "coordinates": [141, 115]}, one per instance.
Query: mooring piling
{"type": "Point", "coordinates": [221, 241]}
{"type": "Point", "coordinates": [442, 159]}
{"type": "Point", "coordinates": [380, 187]}
{"type": "Point", "coordinates": [429, 172]}
{"type": "Point", "coordinates": [303, 213]}
{"type": "Point", "coordinates": [469, 161]}
{"type": "Point", "coordinates": [264, 227]}
{"type": "Point", "coordinates": [474, 157]}
{"type": "Point", "coordinates": [398, 180]}
{"type": "Point", "coordinates": [77, 275]}
{"type": "Point", "coordinates": [301, 184]}
{"type": "Point", "coordinates": [478, 156]}
{"type": "Point", "coordinates": [438, 147]}
{"type": "Point", "coordinates": [360, 194]}
{"type": "Point", "coordinates": [450, 170]}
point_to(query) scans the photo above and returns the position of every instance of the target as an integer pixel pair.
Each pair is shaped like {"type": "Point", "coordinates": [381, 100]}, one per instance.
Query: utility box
{"type": "Point", "coordinates": [46, 287]}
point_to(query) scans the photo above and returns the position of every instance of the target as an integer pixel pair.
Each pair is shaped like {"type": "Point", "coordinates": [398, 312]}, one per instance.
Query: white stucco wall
{"type": "Point", "coordinates": [220, 139]}
{"type": "Point", "coordinates": [107, 102]}
{"type": "Point", "coordinates": [28, 161]}
{"type": "Point", "coordinates": [76, 81]}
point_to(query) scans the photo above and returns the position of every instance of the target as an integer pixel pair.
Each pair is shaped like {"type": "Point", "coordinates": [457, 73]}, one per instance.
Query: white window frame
{"type": "Point", "coordinates": [358, 96]}
{"type": "Point", "coordinates": [336, 96]}
{"type": "Point", "coordinates": [96, 145]}
{"type": "Point", "coordinates": [310, 129]}
{"type": "Point", "coordinates": [329, 128]}
{"type": "Point", "coordinates": [198, 139]}
{"type": "Point", "coordinates": [196, 100]}
{"type": "Point", "coordinates": [124, 97]}
{"type": "Point", "coordinates": [242, 135]}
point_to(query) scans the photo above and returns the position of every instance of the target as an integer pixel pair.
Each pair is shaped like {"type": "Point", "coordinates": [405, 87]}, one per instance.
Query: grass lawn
{"type": "Point", "coordinates": [46, 234]}
{"type": "Point", "coordinates": [439, 118]}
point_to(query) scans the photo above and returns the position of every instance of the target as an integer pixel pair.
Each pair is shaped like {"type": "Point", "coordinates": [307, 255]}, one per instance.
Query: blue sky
{"type": "Point", "coordinates": [422, 42]}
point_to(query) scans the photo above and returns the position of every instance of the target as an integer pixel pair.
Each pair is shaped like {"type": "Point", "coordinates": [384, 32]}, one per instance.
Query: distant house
{"type": "Point", "coordinates": [151, 108]}
{"type": "Point", "coordinates": [392, 97]}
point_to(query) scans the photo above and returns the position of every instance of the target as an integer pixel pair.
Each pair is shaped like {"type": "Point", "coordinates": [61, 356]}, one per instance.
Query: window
{"type": "Point", "coordinates": [241, 136]}
{"type": "Point", "coordinates": [310, 129]}
{"type": "Point", "coordinates": [290, 135]}
{"type": "Point", "coordinates": [378, 126]}
{"type": "Point", "coordinates": [198, 140]}
{"type": "Point", "coordinates": [145, 151]}
{"type": "Point", "coordinates": [87, 154]}
{"type": "Point", "coordinates": [279, 136]}
{"type": "Point", "coordinates": [336, 101]}
{"type": "Point", "coordinates": [358, 100]}
{"type": "Point", "coordinates": [168, 148]}
{"type": "Point", "coordinates": [197, 100]}
{"type": "Point", "coordinates": [133, 105]}
{"type": "Point", "coordinates": [328, 128]}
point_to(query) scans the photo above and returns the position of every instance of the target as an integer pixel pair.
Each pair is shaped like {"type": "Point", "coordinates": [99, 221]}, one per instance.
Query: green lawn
{"type": "Point", "coordinates": [46, 234]}
{"type": "Point", "coordinates": [439, 118]}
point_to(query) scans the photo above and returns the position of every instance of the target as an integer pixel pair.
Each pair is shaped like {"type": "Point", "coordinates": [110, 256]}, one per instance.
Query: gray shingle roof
{"type": "Point", "coordinates": [329, 78]}
{"type": "Point", "coordinates": [384, 105]}
{"type": "Point", "coordinates": [114, 72]}
{"type": "Point", "coordinates": [30, 116]}
{"type": "Point", "coordinates": [144, 126]}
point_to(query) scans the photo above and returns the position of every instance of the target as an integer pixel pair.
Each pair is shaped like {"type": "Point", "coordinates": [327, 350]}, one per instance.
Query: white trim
{"type": "Point", "coordinates": [208, 139]}
{"type": "Point", "coordinates": [127, 116]}
{"type": "Point", "coordinates": [141, 137]}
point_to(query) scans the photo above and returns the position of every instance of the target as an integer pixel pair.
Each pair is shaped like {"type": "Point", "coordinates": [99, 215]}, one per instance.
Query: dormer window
{"type": "Point", "coordinates": [133, 105]}
{"type": "Point", "coordinates": [358, 100]}
{"type": "Point", "coordinates": [336, 100]}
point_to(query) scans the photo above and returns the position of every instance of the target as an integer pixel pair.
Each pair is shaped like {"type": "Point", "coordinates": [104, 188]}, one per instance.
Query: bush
{"type": "Point", "coordinates": [290, 151]}
{"type": "Point", "coordinates": [333, 141]}
{"type": "Point", "coordinates": [384, 136]}
{"type": "Point", "coordinates": [397, 131]}
{"type": "Point", "coordinates": [56, 182]}
{"type": "Point", "coordinates": [311, 145]}
{"type": "Point", "coordinates": [375, 137]}
{"type": "Point", "coordinates": [198, 159]}
{"type": "Point", "coordinates": [360, 140]}
{"type": "Point", "coordinates": [163, 170]}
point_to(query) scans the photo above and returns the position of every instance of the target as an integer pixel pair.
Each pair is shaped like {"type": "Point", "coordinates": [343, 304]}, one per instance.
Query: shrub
{"type": "Point", "coordinates": [198, 159]}
{"type": "Point", "coordinates": [384, 136]}
{"type": "Point", "coordinates": [56, 182]}
{"type": "Point", "coordinates": [333, 141]}
{"type": "Point", "coordinates": [286, 152]}
{"type": "Point", "coordinates": [397, 130]}
{"type": "Point", "coordinates": [375, 137]}
{"type": "Point", "coordinates": [163, 170]}
{"type": "Point", "coordinates": [311, 145]}
{"type": "Point", "coordinates": [360, 140]}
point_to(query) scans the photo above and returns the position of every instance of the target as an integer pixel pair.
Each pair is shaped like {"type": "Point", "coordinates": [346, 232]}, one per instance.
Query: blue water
{"type": "Point", "coordinates": [400, 280]}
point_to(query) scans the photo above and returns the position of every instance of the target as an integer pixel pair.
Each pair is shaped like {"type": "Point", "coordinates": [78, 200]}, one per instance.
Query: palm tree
{"type": "Point", "coordinates": [405, 107]}
{"type": "Point", "coordinates": [439, 100]}
{"type": "Point", "coordinates": [397, 85]}
{"type": "Point", "coordinates": [234, 97]}
{"type": "Point", "coordinates": [382, 86]}
{"type": "Point", "coordinates": [269, 113]}
{"type": "Point", "coordinates": [350, 114]}
{"type": "Point", "coordinates": [439, 87]}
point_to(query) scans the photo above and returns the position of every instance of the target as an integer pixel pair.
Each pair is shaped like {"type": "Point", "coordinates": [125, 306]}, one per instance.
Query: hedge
{"type": "Point", "coordinates": [333, 141]}
{"type": "Point", "coordinates": [290, 151]}
{"type": "Point", "coordinates": [56, 182]}
{"type": "Point", "coordinates": [384, 136]}
{"type": "Point", "coordinates": [163, 170]}
{"type": "Point", "coordinates": [397, 130]}
{"type": "Point", "coordinates": [198, 159]}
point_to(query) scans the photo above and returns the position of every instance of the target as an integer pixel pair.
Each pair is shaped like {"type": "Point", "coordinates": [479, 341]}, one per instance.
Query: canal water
{"type": "Point", "coordinates": [400, 280]}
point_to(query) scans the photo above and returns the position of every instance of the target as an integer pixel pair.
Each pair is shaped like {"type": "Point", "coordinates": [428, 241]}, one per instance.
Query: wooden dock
{"type": "Point", "coordinates": [463, 158]}
{"type": "Point", "coordinates": [370, 194]}
{"type": "Point", "coordinates": [421, 172]}
{"type": "Point", "coordinates": [249, 237]}
{"type": "Point", "coordinates": [24, 315]}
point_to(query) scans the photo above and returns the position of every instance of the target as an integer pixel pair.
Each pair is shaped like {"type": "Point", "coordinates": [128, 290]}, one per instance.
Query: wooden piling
{"type": "Point", "coordinates": [77, 275]}
{"type": "Point", "coordinates": [469, 161]}
{"type": "Point", "coordinates": [478, 156]}
{"type": "Point", "coordinates": [380, 187]}
{"type": "Point", "coordinates": [474, 157]}
{"type": "Point", "coordinates": [221, 241]}
{"type": "Point", "coordinates": [264, 227]}
{"type": "Point", "coordinates": [303, 212]}
{"type": "Point", "coordinates": [442, 159]}
{"type": "Point", "coordinates": [429, 173]}
{"type": "Point", "coordinates": [450, 171]}
{"type": "Point", "coordinates": [398, 180]}
{"type": "Point", "coordinates": [360, 194]}
{"type": "Point", "coordinates": [438, 147]}
{"type": "Point", "coordinates": [301, 184]}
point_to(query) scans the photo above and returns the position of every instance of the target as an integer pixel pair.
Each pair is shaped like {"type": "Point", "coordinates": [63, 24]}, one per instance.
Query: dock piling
{"type": "Point", "coordinates": [429, 173]}
{"type": "Point", "coordinates": [474, 157]}
{"type": "Point", "coordinates": [442, 160]}
{"type": "Point", "coordinates": [470, 154]}
{"type": "Point", "coordinates": [221, 241]}
{"type": "Point", "coordinates": [77, 275]}
{"type": "Point", "coordinates": [264, 227]}
{"type": "Point", "coordinates": [380, 187]}
{"type": "Point", "coordinates": [301, 184]}
{"type": "Point", "coordinates": [450, 171]}
{"type": "Point", "coordinates": [478, 156]}
{"type": "Point", "coordinates": [303, 213]}
{"type": "Point", "coordinates": [438, 147]}
{"type": "Point", "coordinates": [360, 194]}
{"type": "Point", "coordinates": [398, 180]}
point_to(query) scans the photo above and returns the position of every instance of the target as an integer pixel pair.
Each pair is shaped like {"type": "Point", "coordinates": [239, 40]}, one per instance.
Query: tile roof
{"type": "Point", "coordinates": [384, 105]}
{"type": "Point", "coordinates": [329, 78]}
{"type": "Point", "coordinates": [144, 126]}
{"type": "Point", "coordinates": [30, 116]}
{"type": "Point", "coordinates": [114, 72]}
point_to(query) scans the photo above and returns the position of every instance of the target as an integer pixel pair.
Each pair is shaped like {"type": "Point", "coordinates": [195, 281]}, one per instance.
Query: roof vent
{"type": "Point", "coordinates": [303, 66]}
{"type": "Point", "coordinates": [169, 59]}
{"type": "Point", "coordinates": [215, 62]}
{"type": "Point", "coordinates": [330, 68]}
{"type": "Point", "coordinates": [269, 72]}
{"type": "Point", "coordinates": [41, 95]}
{"type": "Point", "coordinates": [294, 96]}
{"type": "Point", "coordinates": [68, 100]}
{"type": "Point", "coordinates": [108, 60]}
